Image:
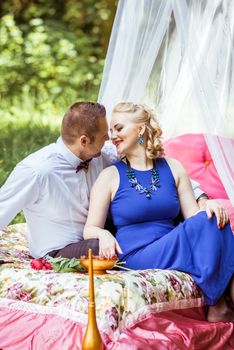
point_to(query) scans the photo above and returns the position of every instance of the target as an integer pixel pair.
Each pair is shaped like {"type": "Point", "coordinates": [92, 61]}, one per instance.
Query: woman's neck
{"type": "Point", "coordinates": [139, 162]}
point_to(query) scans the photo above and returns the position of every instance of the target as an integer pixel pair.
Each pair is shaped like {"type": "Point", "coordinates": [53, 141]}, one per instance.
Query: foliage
{"type": "Point", "coordinates": [52, 52]}
{"type": "Point", "coordinates": [66, 265]}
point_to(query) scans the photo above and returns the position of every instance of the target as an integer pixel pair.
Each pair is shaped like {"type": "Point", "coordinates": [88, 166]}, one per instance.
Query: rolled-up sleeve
{"type": "Point", "coordinates": [196, 189]}
{"type": "Point", "coordinates": [19, 191]}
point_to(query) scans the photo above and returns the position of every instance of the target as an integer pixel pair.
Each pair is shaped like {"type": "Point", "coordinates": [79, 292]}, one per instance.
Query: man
{"type": "Point", "coordinates": [52, 185]}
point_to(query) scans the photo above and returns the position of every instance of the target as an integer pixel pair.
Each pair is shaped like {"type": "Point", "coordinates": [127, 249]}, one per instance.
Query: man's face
{"type": "Point", "coordinates": [93, 149]}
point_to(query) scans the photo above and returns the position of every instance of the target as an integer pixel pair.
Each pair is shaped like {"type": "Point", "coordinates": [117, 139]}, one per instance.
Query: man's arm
{"type": "Point", "coordinates": [197, 191]}
{"type": "Point", "coordinates": [19, 191]}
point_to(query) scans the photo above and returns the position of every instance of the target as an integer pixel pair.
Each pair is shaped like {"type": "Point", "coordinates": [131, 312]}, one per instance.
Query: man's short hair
{"type": "Point", "coordinates": [81, 119]}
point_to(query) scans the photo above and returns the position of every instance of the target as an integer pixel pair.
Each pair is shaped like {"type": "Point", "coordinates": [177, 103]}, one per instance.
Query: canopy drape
{"type": "Point", "coordinates": [178, 57]}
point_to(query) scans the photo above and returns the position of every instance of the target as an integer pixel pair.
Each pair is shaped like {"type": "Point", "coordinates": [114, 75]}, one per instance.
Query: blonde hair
{"type": "Point", "coordinates": [143, 114]}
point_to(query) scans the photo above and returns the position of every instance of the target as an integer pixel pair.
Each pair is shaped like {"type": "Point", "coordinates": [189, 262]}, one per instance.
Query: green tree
{"type": "Point", "coordinates": [52, 52]}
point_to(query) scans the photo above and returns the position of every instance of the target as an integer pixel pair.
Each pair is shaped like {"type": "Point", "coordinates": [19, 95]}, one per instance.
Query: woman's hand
{"type": "Point", "coordinates": [213, 207]}
{"type": "Point", "coordinates": [108, 245]}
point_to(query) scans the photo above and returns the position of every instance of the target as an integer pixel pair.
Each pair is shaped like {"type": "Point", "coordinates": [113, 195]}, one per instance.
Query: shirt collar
{"type": "Point", "coordinates": [67, 153]}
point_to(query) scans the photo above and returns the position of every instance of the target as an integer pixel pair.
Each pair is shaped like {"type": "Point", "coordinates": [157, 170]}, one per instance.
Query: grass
{"type": "Point", "coordinates": [21, 134]}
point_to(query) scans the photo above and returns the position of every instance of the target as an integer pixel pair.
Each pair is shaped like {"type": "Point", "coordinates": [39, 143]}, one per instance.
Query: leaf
{"type": "Point", "coordinates": [66, 265]}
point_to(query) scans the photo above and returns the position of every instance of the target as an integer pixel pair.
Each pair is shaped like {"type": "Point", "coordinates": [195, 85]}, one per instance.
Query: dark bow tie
{"type": "Point", "coordinates": [83, 165]}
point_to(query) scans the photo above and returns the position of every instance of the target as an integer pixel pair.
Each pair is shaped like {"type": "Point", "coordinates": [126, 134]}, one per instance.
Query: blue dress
{"type": "Point", "coordinates": [149, 239]}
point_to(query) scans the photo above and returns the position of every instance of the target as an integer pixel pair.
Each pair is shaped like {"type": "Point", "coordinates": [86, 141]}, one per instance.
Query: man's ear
{"type": "Point", "coordinates": [84, 140]}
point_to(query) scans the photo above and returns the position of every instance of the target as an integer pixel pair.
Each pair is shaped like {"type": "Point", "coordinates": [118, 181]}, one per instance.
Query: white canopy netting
{"type": "Point", "coordinates": [178, 57]}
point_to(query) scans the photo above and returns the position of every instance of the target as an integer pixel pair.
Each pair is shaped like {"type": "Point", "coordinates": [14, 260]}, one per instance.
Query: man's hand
{"type": "Point", "coordinates": [213, 207]}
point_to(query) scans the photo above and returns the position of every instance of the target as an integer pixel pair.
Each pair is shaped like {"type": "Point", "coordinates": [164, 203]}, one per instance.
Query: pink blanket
{"type": "Point", "coordinates": [169, 330]}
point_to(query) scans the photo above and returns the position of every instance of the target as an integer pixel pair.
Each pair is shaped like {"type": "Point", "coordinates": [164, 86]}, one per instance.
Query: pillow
{"type": "Point", "coordinates": [191, 150]}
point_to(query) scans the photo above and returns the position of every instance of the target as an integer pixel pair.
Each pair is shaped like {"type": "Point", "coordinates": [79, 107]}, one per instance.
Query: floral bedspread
{"type": "Point", "coordinates": [122, 298]}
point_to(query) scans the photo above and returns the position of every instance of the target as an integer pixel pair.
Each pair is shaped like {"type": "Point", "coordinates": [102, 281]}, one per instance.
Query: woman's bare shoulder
{"type": "Point", "coordinates": [175, 165]}
{"type": "Point", "coordinates": [177, 169]}
{"type": "Point", "coordinates": [109, 171]}
{"type": "Point", "coordinates": [107, 181]}
{"type": "Point", "coordinates": [108, 175]}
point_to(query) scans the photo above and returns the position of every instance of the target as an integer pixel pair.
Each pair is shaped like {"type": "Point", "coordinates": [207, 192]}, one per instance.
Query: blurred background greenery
{"type": "Point", "coordinates": [51, 54]}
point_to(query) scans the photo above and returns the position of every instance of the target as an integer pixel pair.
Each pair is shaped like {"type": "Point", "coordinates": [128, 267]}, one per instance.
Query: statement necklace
{"type": "Point", "coordinates": [155, 183]}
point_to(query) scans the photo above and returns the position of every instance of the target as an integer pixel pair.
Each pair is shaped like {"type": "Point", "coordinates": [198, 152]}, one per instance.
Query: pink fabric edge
{"type": "Point", "coordinates": [128, 321]}
{"type": "Point", "coordinates": [173, 329]}
{"type": "Point", "coordinates": [176, 329]}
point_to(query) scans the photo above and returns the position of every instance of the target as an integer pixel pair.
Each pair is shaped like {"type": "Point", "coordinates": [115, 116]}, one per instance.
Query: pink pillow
{"type": "Point", "coordinates": [191, 150]}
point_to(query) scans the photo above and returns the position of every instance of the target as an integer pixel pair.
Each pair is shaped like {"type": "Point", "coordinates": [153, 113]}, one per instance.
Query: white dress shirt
{"type": "Point", "coordinates": [196, 189]}
{"type": "Point", "coordinates": [53, 197]}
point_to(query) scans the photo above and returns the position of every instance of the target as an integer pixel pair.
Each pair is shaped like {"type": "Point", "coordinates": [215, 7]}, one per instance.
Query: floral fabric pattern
{"type": "Point", "coordinates": [122, 298]}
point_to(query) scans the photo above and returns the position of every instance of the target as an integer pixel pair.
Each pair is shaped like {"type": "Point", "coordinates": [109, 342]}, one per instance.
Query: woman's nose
{"type": "Point", "coordinates": [112, 135]}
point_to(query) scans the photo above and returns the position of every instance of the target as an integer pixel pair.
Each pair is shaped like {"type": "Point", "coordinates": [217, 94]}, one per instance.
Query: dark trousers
{"type": "Point", "coordinates": [76, 250]}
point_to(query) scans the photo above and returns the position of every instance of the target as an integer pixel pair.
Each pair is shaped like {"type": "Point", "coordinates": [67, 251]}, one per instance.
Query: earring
{"type": "Point", "coordinates": [141, 140]}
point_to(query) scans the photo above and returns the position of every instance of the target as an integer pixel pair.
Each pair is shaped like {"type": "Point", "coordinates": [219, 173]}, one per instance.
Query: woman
{"type": "Point", "coordinates": [145, 192]}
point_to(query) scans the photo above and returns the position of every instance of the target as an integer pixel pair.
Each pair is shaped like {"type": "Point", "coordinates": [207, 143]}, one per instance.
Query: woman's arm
{"type": "Point", "coordinates": [101, 195]}
{"type": "Point", "coordinates": [187, 199]}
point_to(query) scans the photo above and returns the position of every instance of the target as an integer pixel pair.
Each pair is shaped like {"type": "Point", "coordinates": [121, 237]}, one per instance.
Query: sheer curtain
{"type": "Point", "coordinates": [178, 57]}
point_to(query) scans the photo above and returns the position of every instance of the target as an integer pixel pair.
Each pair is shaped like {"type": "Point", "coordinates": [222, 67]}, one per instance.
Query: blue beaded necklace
{"type": "Point", "coordinates": [155, 183]}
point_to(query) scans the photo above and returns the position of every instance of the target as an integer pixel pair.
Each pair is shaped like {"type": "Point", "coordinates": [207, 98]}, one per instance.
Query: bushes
{"type": "Point", "coordinates": [52, 52]}
{"type": "Point", "coordinates": [47, 64]}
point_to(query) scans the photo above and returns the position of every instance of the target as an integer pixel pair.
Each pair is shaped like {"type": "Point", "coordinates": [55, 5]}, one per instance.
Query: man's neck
{"type": "Point", "coordinates": [75, 150]}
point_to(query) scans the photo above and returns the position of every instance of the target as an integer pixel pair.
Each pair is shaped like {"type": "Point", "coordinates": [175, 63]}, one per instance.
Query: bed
{"type": "Point", "coordinates": [149, 309]}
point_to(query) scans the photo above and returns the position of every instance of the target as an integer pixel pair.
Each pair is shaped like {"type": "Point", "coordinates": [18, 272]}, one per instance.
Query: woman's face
{"type": "Point", "coordinates": [124, 132]}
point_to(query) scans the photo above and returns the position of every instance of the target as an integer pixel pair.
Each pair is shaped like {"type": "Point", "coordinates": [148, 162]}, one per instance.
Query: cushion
{"type": "Point", "coordinates": [192, 151]}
